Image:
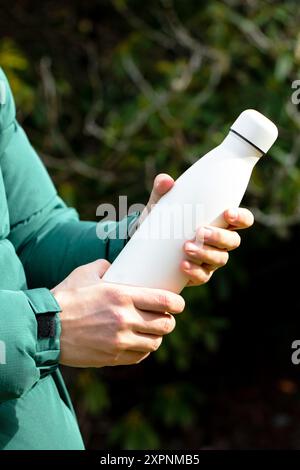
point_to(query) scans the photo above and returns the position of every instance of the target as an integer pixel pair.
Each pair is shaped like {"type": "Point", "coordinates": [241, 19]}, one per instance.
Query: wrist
{"type": "Point", "coordinates": [60, 297]}
{"type": "Point", "coordinates": [46, 310]}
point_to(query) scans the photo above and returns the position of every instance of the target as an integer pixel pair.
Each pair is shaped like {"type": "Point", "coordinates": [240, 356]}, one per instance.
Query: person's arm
{"type": "Point", "coordinates": [99, 324]}
{"type": "Point", "coordinates": [89, 326]}
{"type": "Point", "coordinates": [29, 322]}
{"type": "Point", "coordinates": [47, 235]}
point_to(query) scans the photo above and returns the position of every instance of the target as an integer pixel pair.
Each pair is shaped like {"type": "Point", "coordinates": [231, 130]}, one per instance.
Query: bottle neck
{"type": "Point", "coordinates": [241, 146]}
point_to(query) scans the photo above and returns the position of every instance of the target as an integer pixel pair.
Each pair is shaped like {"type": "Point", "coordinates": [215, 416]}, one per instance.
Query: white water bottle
{"type": "Point", "coordinates": [199, 197]}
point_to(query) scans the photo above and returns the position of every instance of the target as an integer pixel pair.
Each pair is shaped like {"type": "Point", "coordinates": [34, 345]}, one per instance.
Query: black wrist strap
{"type": "Point", "coordinates": [46, 325]}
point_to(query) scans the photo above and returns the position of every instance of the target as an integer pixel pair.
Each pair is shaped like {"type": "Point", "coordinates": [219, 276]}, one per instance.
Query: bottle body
{"type": "Point", "coordinates": [199, 197]}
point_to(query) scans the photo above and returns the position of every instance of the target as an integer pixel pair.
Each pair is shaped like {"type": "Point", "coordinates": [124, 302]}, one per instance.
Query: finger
{"type": "Point", "coordinates": [197, 275]}
{"type": "Point", "coordinates": [212, 256]}
{"type": "Point", "coordinates": [240, 218]}
{"type": "Point", "coordinates": [162, 184]}
{"type": "Point", "coordinates": [144, 343]}
{"type": "Point", "coordinates": [220, 238]}
{"type": "Point", "coordinates": [127, 358]}
{"type": "Point", "coordinates": [156, 300]}
{"type": "Point", "coordinates": [141, 342]}
{"type": "Point", "coordinates": [154, 323]}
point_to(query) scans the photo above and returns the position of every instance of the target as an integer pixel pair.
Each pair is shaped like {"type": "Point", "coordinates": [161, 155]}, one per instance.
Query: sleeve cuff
{"type": "Point", "coordinates": [46, 309]}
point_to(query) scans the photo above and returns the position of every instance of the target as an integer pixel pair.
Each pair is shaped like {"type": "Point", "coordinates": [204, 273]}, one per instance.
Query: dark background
{"type": "Point", "coordinates": [112, 93]}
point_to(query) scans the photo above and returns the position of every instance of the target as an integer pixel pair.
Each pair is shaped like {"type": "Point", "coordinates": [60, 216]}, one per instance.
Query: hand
{"type": "Point", "coordinates": [106, 324]}
{"type": "Point", "coordinates": [209, 250]}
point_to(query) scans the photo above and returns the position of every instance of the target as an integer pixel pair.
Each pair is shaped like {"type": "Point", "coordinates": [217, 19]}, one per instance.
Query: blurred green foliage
{"type": "Point", "coordinates": [114, 92]}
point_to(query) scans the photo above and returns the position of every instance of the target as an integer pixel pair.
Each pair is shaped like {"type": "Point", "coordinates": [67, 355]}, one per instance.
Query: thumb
{"type": "Point", "coordinates": [162, 184]}
{"type": "Point", "coordinates": [85, 275]}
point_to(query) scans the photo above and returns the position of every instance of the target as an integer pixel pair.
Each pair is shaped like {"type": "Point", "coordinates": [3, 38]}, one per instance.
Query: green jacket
{"type": "Point", "coordinates": [41, 241]}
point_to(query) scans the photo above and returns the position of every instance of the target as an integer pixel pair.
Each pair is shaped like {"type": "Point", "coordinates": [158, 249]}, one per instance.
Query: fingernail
{"type": "Point", "coordinates": [207, 233]}
{"type": "Point", "coordinates": [232, 214]}
{"type": "Point", "coordinates": [190, 246]}
{"type": "Point", "coordinates": [200, 235]}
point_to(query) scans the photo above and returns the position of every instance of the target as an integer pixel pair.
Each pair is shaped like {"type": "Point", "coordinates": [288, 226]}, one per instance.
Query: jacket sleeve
{"type": "Point", "coordinates": [47, 235]}
{"type": "Point", "coordinates": [27, 354]}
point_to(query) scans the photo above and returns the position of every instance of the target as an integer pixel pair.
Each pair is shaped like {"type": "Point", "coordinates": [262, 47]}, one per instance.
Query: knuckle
{"type": "Point", "coordinates": [114, 295]}
{"type": "Point", "coordinates": [118, 345]}
{"type": "Point", "coordinates": [119, 320]}
{"type": "Point", "coordinates": [119, 297]}
{"type": "Point", "coordinates": [115, 345]}
{"type": "Point", "coordinates": [123, 298]}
